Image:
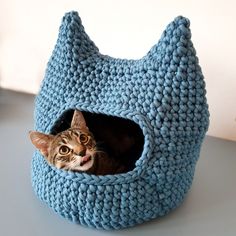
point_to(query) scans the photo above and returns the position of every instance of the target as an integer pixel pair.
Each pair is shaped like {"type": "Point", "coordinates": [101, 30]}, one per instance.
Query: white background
{"type": "Point", "coordinates": [125, 29]}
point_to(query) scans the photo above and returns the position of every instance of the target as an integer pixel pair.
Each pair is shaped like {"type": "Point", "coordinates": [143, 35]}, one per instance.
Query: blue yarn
{"type": "Point", "coordinates": [164, 92]}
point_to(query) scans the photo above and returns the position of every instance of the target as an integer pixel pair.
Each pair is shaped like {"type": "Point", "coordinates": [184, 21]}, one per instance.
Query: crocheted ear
{"type": "Point", "coordinates": [175, 42]}
{"type": "Point", "coordinates": [73, 44]}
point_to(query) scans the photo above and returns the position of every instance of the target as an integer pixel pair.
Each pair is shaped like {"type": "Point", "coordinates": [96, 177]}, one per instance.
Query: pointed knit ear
{"type": "Point", "coordinates": [176, 40]}
{"type": "Point", "coordinates": [41, 141]}
{"type": "Point", "coordinates": [73, 43]}
{"type": "Point", "coordinates": [78, 121]}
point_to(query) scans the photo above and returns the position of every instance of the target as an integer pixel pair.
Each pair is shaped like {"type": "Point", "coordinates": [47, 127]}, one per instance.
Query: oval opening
{"type": "Point", "coordinates": [121, 138]}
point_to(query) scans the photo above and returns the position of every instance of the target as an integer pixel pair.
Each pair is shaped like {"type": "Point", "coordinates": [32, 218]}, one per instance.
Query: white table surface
{"type": "Point", "coordinates": [209, 208]}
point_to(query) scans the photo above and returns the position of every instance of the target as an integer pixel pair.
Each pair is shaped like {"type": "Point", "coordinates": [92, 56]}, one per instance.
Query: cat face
{"type": "Point", "coordinates": [73, 149]}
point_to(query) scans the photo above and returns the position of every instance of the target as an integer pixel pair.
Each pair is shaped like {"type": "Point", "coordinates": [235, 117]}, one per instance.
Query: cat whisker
{"type": "Point", "coordinates": [99, 151]}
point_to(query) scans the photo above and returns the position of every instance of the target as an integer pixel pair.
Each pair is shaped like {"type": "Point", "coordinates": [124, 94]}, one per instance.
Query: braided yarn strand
{"type": "Point", "coordinates": [164, 93]}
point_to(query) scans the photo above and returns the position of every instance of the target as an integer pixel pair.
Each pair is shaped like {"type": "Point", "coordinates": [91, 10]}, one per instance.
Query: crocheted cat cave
{"type": "Point", "coordinates": [163, 93]}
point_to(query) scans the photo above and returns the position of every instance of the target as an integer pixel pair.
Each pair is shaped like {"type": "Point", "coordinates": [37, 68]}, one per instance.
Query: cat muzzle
{"type": "Point", "coordinates": [85, 159]}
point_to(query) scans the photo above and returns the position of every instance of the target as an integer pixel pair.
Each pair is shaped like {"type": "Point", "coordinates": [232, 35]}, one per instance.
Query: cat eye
{"type": "Point", "coordinates": [83, 138]}
{"type": "Point", "coordinates": [64, 150]}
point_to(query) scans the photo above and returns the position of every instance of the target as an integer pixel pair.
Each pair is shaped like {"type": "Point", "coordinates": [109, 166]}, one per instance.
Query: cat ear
{"type": "Point", "coordinates": [78, 121]}
{"type": "Point", "coordinates": [41, 141]}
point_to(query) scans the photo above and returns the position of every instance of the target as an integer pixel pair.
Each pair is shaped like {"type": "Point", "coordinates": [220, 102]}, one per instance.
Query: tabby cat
{"type": "Point", "coordinates": [75, 149]}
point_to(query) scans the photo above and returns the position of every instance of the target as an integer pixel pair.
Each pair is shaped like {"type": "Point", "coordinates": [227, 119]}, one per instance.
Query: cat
{"type": "Point", "coordinates": [75, 149]}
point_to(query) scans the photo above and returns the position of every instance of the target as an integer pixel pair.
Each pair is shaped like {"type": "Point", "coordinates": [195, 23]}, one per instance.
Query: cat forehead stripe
{"type": "Point", "coordinates": [64, 140]}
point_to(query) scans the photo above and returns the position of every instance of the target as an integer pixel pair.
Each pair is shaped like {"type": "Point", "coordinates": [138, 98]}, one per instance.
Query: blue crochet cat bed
{"type": "Point", "coordinates": [163, 93]}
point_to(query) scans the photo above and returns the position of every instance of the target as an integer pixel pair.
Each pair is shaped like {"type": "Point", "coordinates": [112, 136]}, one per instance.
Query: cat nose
{"type": "Point", "coordinates": [82, 153]}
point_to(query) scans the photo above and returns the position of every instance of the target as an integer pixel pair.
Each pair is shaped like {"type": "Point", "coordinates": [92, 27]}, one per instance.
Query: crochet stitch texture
{"type": "Point", "coordinates": [163, 92]}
